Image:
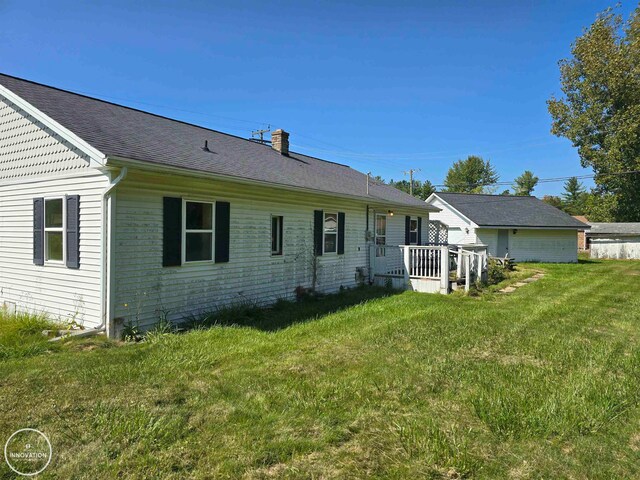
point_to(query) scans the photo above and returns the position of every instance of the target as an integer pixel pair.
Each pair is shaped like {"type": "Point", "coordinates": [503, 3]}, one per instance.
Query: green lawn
{"type": "Point", "coordinates": [540, 383]}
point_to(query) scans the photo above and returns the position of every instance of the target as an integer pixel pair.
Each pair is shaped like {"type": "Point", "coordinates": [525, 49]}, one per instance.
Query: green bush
{"type": "Point", "coordinates": [496, 272]}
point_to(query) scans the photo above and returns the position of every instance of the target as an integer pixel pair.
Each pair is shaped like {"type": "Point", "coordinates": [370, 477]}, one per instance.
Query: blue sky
{"type": "Point", "coordinates": [382, 86]}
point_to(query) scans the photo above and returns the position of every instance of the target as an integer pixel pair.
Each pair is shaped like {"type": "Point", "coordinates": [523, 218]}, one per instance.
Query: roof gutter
{"type": "Point", "coordinates": [525, 227]}
{"type": "Point", "coordinates": [153, 167]}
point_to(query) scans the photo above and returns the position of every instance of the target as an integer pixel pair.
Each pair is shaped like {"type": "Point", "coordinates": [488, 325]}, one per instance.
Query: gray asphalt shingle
{"type": "Point", "coordinates": [629, 228]}
{"type": "Point", "coordinates": [509, 211]}
{"type": "Point", "coordinates": [119, 131]}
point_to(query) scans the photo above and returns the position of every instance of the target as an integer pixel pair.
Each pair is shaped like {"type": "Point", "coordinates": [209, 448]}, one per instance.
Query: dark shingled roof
{"type": "Point", "coordinates": [614, 229]}
{"type": "Point", "coordinates": [119, 131]}
{"type": "Point", "coordinates": [509, 211]}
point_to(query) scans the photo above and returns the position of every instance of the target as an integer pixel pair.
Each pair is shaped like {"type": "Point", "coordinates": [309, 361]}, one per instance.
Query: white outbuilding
{"type": "Point", "coordinates": [524, 228]}
{"type": "Point", "coordinates": [614, 240]}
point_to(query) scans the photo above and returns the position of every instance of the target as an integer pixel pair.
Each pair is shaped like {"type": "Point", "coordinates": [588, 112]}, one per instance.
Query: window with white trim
{"type": "Point", "coordinates": [330, 240]}
{"type": "Point", "coordinates": [54, 230]}
{"type": "Point", "coordinates": [413, 231]}
{"type": "Point", "coordinates": [381, 233]}
{"type": "Point", "coordinates": [276, 234]}
{"type": "Point", "coordinates": [198, 231]}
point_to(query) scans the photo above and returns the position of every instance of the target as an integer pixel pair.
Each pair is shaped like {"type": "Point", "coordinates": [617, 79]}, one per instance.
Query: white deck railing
{"type": "Point", "coordinates": [425, 261]}
{"type": "Point", "coordinates": [419, 266]}
{"type": "Point", "coordinates": [386, 261]}
{"type": "Point", "coordinates": [412, 264]}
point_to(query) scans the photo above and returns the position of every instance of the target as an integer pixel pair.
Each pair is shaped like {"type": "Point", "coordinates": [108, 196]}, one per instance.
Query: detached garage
{"type": "Point", "coordinates": [614, 240]}
{"type": "Point", "coordinates": [523, 228]}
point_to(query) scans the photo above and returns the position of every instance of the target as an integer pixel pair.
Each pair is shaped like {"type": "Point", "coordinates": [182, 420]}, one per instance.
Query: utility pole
{"type": "Point", "coordinates": [410, 172]}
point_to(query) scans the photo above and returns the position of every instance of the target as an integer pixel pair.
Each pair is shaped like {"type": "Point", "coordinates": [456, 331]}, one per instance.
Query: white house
{"type": "Point", "coordinates": [111, 214]}
{"type": "Point", "coordinates": [524, 228]}
{"type": "Point", "coordinates": [614, 240]}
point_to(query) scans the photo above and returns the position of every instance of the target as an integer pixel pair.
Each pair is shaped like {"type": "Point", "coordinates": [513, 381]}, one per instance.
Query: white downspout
{"type": "Point", "coordinates": [106, 247]}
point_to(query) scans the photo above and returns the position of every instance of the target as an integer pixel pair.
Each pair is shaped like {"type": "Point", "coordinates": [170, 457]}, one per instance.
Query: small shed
{"type": "Point", "coordinates": [524, 228]}
{"type": "Point", "coordinates": [614, 240]}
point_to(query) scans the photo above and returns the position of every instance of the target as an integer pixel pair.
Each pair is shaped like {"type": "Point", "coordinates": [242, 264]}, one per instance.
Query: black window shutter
{"type": "Point", "coordinates": [38, 231]}
{"type": "Point", "coordinates": [318, 230]}
{"type": "Point", "coordinates": [73, 231]}
{"type": "Point", "coordinates": [407, 230]}
{"type": "Point", "coordinates": [419, 230]}
{"type": "Point", "coordinates": [172, 231]}
{"type": "Point", "coordinates": [340, 233]}
{"type": "Point", "coordinates": [222, 231]}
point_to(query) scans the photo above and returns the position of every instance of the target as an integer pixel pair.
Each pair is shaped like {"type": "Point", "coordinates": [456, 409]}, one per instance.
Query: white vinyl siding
{"type": "Point", "coordinates": [143, 288]}
{"type": "Point", "coordinates": [488, 237]}
{"type": "Point", "coordinates": [463, 230]}
{"type": "Point", "coordinates": [535, 245]}
{"type": "Point", "coordinates": [28, 150]}
{"type": "Point", "coordinates": [53, 288]}
{"type": "Point", "coordinates": [35, 163]}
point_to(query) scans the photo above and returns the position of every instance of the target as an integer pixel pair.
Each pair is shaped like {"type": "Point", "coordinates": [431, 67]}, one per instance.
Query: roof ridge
{"type": "Point", "coordinates": [487, 195]}
{"type": "Point", "coordinates": [164, 117]}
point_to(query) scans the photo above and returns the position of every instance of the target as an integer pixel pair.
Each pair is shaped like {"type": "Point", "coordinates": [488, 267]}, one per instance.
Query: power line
{"type": "Point", "coordinates": [548, 180]}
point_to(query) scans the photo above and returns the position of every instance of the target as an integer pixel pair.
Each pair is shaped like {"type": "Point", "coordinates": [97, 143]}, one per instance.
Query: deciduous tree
{"type": "Point", "coordinates": [471, 175]}
{"type": "Point", "coordinates": [599, 110]}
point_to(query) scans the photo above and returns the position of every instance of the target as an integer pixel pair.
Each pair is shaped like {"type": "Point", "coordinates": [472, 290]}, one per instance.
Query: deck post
{"type": "Point", "coordinates": [484, 269]}
{"type": "Point", "coordinates": [407, 263]}
{"type": "Point", "coordinates": [459, 265]}
{"type": "Point", "coordinates": [467, 272]}
{"type": "Point", "coordinates": [444, 269]}
{"type": "Point", "coordinates": [372, 263]}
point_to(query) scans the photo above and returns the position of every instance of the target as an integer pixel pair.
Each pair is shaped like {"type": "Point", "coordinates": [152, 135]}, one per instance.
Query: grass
{"type": "Point", "coordinates": [21, 335]}
{"type": "Point", "coordinates": [541, 383]}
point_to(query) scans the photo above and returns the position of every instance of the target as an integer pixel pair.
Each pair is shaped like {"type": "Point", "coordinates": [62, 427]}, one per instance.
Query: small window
{"type": "Point", "coordinates": [381, 234]}
{"type": "Point", "coordinates": [198, 232]}
{"type": "Point", "coordinates": [330, 233]}
{"type": "Point", "coordinates": [413, 231]}
{"type": "Point", "coordinates": [54, 230]}
{"type": "Point", "coordinates": [276, 235]}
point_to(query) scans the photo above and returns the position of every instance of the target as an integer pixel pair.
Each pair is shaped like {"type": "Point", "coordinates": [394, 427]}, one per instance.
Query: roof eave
{"type": "Point", "coordinates": [536, 227]}
{"type": "Point", "coordinates": [96, 157]}
{"type": "Point", "coordinates": [158, 168]}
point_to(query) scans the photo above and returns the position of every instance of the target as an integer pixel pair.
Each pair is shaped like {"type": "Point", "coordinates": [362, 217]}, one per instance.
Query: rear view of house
{"type": "Point", "coordinates": [524, 228]}
{"type": "Point", "coordinates": [110, 214]}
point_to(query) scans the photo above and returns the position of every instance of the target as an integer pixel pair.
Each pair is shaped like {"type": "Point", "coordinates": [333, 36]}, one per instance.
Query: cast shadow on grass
{"type": "Point", "coordinates": [284, 313]}
{"type": "Point", "coordinates": [589, 261]}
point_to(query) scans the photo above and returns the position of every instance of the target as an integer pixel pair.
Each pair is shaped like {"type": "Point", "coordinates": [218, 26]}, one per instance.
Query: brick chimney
{"type": "Point", "coordinates": [280, 141]}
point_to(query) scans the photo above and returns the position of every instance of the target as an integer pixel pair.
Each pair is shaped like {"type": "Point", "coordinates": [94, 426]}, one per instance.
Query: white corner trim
{"type": "Point", "coordinates": [97, 158]}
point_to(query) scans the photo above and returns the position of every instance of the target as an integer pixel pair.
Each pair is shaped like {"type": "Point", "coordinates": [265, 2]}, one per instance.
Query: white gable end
{"type": "Point", "coordinates": [461, 229]}
{"type": "Point", "coordinates": [28, 148]}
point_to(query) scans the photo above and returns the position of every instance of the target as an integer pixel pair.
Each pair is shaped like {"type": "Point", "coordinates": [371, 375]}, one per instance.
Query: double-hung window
{"type": "Point", "coordinates": [54, 230]}
{"type": "Point", "coordinates": [330, 233]}
{"type": "Point", "coordinates": [198, 231]}
{"type": "Point", "coordinates": [276, 234]}
{"type": "Point", "coordinates": [413, 231]}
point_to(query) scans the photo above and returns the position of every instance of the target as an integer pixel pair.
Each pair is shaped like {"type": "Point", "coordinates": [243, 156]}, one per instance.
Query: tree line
{"type": "Point", "coordinates": [599, 112]}
{"type": "Point", "coordinates": [476, 175]}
